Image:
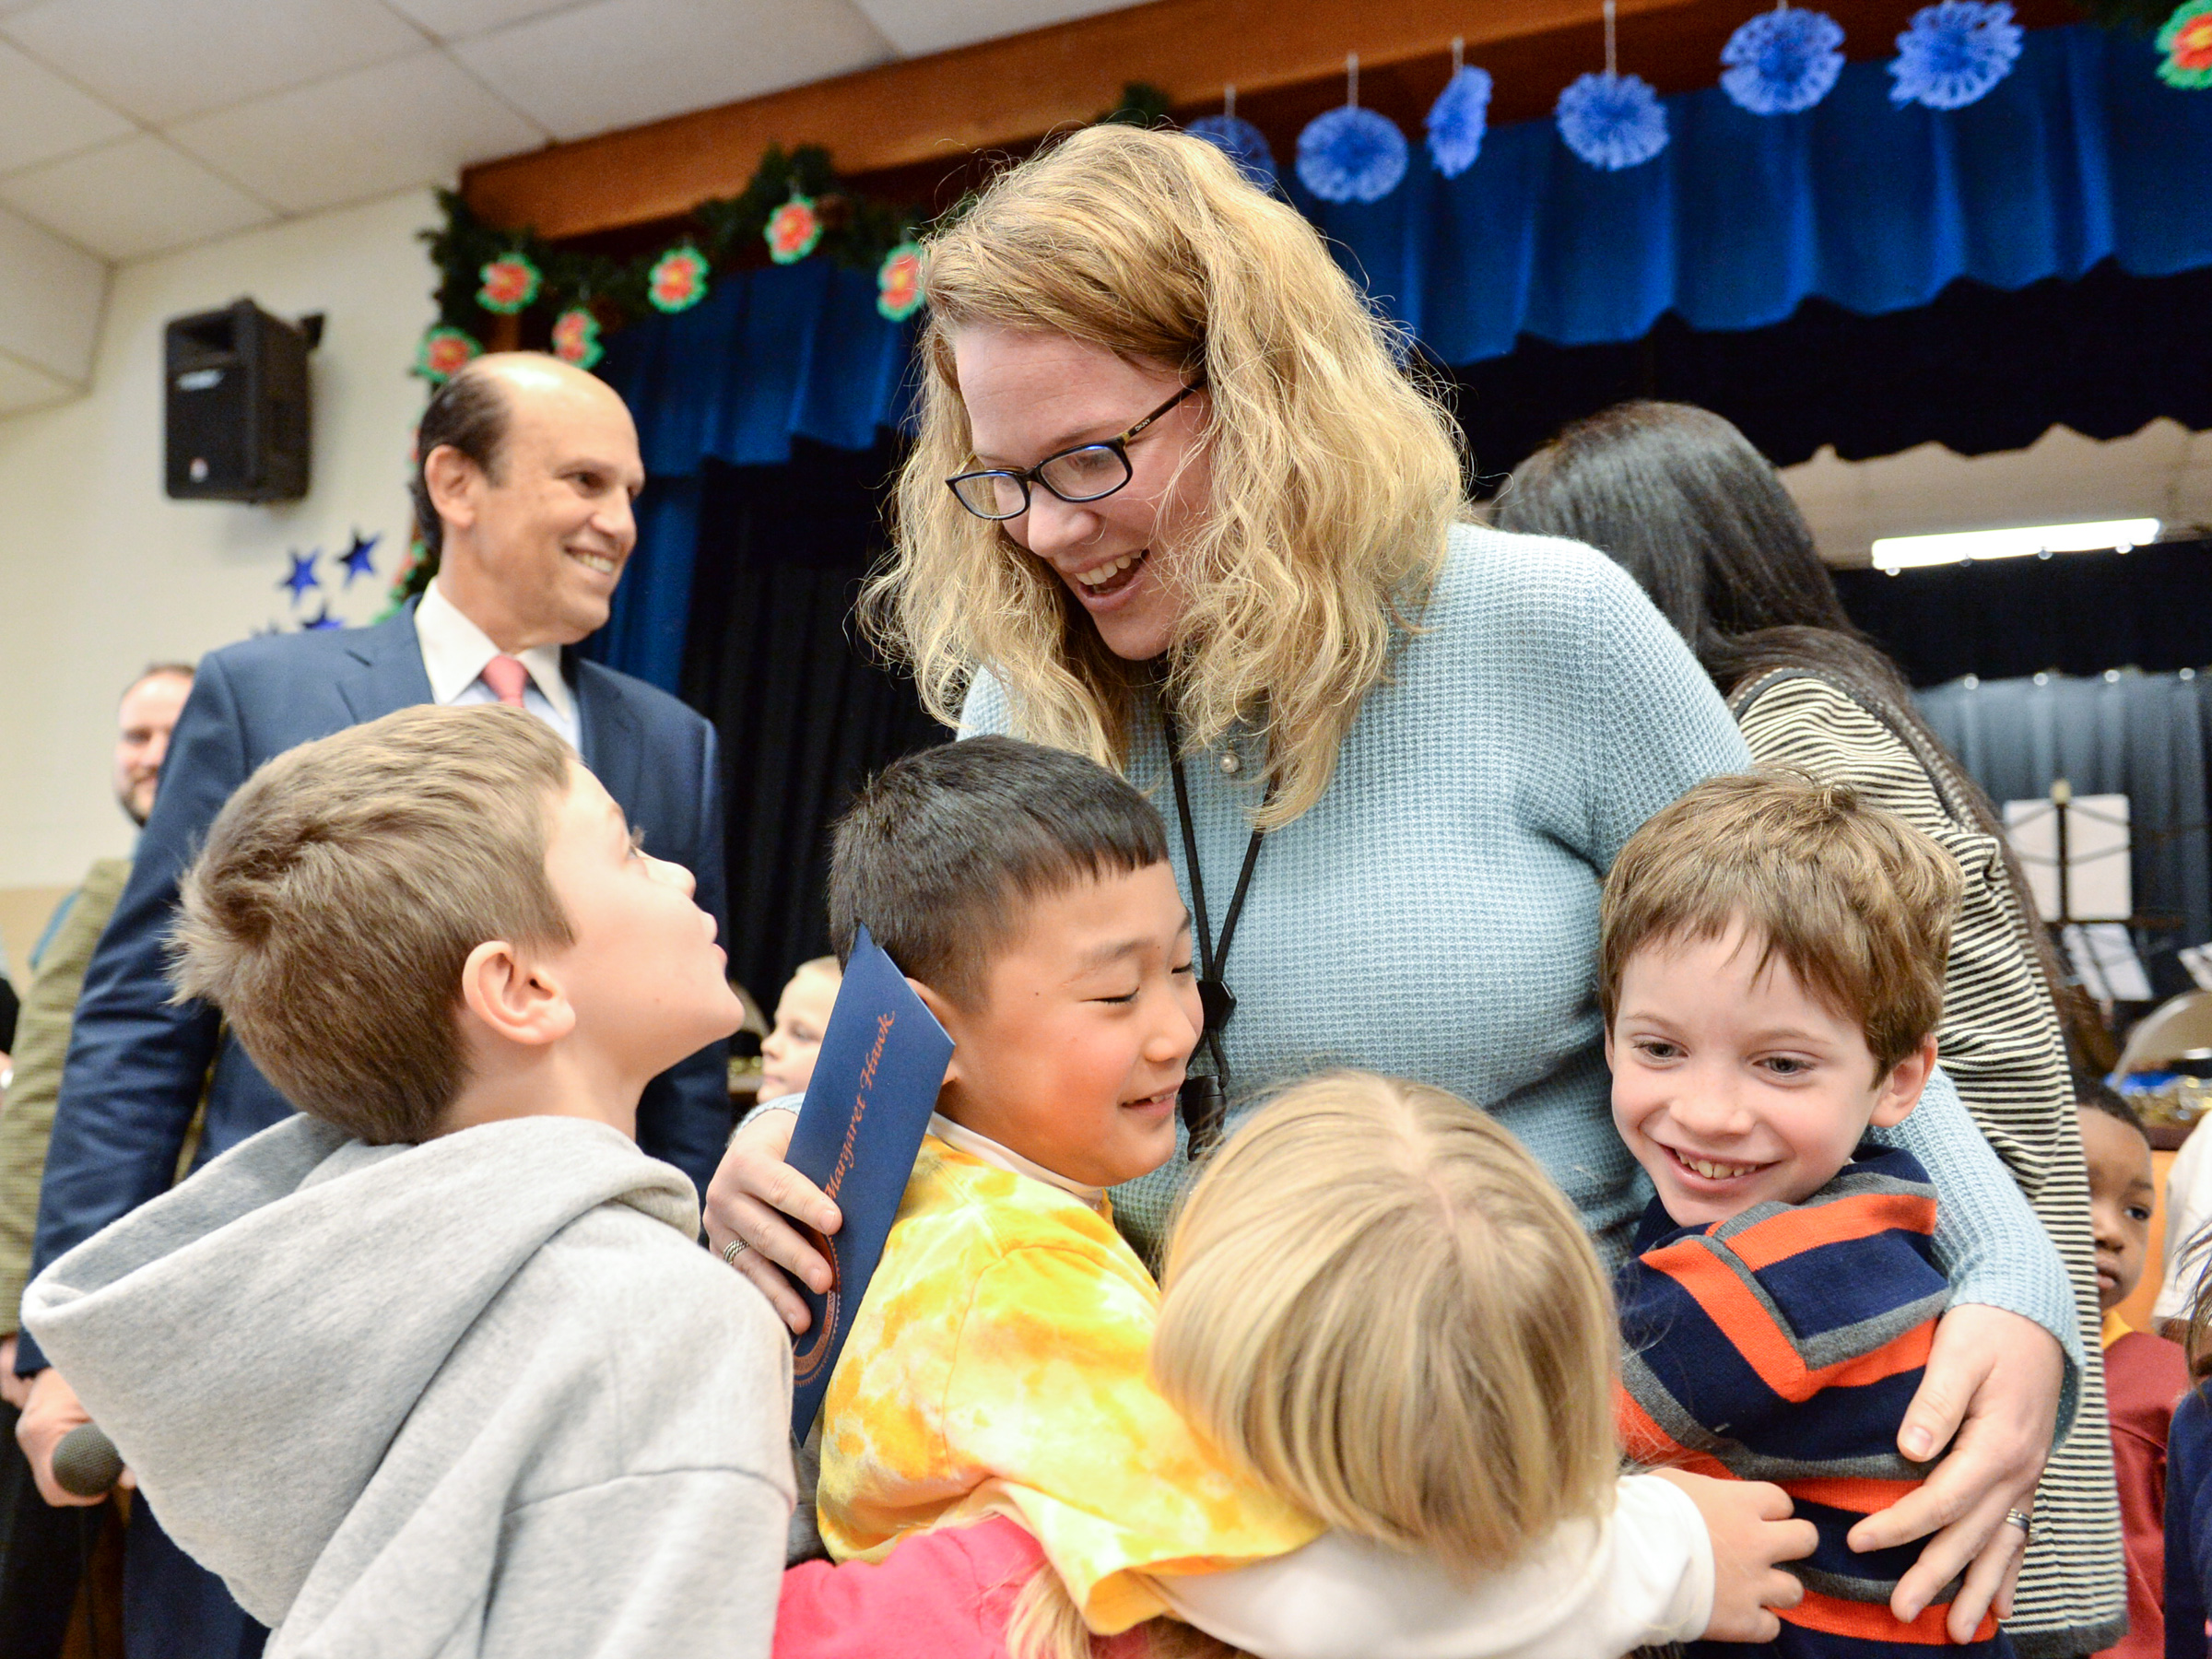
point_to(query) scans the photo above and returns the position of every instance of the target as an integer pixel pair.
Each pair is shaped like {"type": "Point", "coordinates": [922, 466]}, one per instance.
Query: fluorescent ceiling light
{"type": "Point", "coordinates": [1896, 552]}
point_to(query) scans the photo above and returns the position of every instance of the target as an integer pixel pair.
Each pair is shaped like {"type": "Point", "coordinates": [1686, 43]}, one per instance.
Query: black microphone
{"type": "Point", "coordinates": [86, 1463]}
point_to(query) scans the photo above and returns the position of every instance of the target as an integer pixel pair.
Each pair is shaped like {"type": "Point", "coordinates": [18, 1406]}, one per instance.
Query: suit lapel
{"type": "Point", "coordinates": [387, 672]}
{"type": "Point", "coordinates": [612, 741]}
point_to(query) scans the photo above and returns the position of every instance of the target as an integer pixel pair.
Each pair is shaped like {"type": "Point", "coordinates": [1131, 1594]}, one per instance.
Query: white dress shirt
{"type": "Point", "coordinates": [455, 650]}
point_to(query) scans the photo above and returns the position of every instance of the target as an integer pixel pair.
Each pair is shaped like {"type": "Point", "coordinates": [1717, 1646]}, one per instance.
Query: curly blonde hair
{"type": "Point", "coordinates": [1335, 476]}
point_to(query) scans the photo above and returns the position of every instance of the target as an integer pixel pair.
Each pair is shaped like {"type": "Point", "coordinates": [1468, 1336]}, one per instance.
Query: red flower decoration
{"type": "Point", "coordinates": [678, 281]}
{"type": "Point", "coordinates": [899, 282]}
{"type": "Point", "coordinates": [792, 230]}
{"type": "Point", "coordinates": [576, 337]}
{"type": "Point", "coordinates": [510, 282]}
{"type": "Point", "coordinates": [2186, 41]}
{"type": "Point", "coordinates": [442, 354]}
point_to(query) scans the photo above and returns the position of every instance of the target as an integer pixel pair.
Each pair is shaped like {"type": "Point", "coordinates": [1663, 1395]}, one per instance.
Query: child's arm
{"type": "Point", "coordinates": [1644, 1576]}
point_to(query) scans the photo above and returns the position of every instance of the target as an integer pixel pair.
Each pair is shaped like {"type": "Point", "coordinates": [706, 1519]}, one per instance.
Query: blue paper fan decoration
{"type": "Point", "coordinates": [1352, 154]}
{"type": "Point", "coordinates": [1782, 61]}
{"type": "Point", "coordinates": [1612, 121]}
{"type": "Point", "coordinates": [1457, 118]}
{"type": "Point", "coordinates": [1244, 143]}
{"type": "Point", "coordinates": [1954, 52]}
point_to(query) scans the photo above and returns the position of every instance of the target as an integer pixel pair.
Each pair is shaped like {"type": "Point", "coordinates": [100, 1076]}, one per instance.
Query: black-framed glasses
{"type": "Point", "coordinates": [1088, 471]}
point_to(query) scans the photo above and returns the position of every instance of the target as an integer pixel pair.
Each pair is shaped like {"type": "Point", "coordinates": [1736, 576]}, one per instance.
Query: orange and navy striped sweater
{"type": "Point", "coordinates": [1784, 1345]}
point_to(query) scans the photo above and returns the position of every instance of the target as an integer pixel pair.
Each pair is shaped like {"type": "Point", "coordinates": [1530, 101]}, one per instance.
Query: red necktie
{"type": "Point", "coordinates": [506, 678]}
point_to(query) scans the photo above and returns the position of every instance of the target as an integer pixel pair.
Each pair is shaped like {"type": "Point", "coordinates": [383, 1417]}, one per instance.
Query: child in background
{"type": "Point", "coordinates": [788, 1050]}
{"type": "Point", "coordinates": [2144, 1376]}
{"type": "Point", "coordinates": [998, 1368]}
{"type": "Point", "coordinates": [437, 1367]}
{"type": "Point", "coordinates": [1771, 968]}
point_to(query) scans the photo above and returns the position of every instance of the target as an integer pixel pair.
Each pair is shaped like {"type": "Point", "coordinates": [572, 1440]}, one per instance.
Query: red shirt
{"type": "Point", "coordinates": [2144, 1377]}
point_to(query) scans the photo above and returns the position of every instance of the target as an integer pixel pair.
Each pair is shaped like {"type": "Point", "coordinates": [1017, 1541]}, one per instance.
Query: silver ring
{"type": "Point", "coordinates": [737, 1247]}
{"type": "Point", "coordinates": [2019, 1519]}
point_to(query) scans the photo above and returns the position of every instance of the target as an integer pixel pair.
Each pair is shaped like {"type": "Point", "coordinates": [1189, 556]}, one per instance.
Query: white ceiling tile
{"type": "Point", "coordinates": [138, 196]}
{"type": "Point", "coordinates": [23, 387]}
{"type": "Point", "coordinates": [613, 63]}
{"type": "Point", "coordinates": [56, 292]}
{"type": "Point", "coordinates": [42, 116]}
{"type": "Point", "coordinates": [915, 26]}
{"type": "Point", "coordinates": [456, 19]}
{"type": "Point", "coordinates": [312, 147]}
{"type": "Point", "coordinates": [159, 60]}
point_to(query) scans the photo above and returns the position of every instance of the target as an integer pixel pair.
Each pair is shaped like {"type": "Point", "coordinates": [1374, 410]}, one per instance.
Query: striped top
{"type": "Point", "coordinates": [1784, 1345]}
{"type": "Point", "coordinates": [2000, 1042]}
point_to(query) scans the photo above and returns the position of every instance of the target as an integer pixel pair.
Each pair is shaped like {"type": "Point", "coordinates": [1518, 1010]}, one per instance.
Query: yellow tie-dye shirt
{"type": "Point", "coordinates": [1000, 1364]}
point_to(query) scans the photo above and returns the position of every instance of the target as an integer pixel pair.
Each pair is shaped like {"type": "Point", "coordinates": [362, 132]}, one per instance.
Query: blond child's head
{"type": "Point", "coordinates": [389, 916]}
{"type": "Point", "coordinates": [802, 1019]}
{"type": "Point", "coordinates": [1771, 967]}
{"type": "Point", "coordinates": [1376, 1300]}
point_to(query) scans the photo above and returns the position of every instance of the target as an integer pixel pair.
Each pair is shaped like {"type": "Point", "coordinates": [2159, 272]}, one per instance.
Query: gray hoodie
{"type": "Point", "coordinates": [479, 1396]}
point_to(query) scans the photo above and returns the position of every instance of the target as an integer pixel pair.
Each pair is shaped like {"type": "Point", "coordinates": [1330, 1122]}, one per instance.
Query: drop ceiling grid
{"type": "Point", "coordinates": [132, 127]}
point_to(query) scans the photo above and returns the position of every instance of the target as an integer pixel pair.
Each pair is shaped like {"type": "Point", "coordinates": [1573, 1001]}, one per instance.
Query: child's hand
{"type": "Point", "coordinates": [752, 1192]}
{"type": "Point", "coordinates": [1749, 1523]}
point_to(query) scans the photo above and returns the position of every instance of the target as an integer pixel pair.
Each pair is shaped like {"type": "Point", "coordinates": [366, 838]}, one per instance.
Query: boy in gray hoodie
{"type": "Point", "coordinates": [437, 1367]}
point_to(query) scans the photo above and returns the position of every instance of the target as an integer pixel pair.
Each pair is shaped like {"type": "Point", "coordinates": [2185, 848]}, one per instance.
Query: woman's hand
{"type": "Point", "coordinates": [752, 1192]}
{"type": "Point", "coordinates": [1993, 1379]}
{"type": "Point", "coordinates": [1749, 1523]}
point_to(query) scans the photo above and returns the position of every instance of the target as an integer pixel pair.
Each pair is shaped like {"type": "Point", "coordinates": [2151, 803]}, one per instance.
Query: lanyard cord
{"type": "Point", "coordinates": [1204, 1099]}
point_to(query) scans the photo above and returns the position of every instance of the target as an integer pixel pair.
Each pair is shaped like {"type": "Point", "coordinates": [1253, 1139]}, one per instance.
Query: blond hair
{"type": "Point", "coordinates": [1377, 1300]}
{"type": "Point", "coordinates": [1334, 478]}
{"type": "Point", "coordinates": [341, 891]}
{"type": "Point", "coordinates": [1854, 899]}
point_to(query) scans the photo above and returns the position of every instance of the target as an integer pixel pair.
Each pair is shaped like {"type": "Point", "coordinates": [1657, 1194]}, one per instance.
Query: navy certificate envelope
{"type": "Point", "coordinates": [875, 1084]}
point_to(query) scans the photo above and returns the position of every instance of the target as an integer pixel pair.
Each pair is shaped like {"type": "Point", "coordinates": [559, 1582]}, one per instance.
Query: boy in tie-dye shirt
{"type": "Point", "coordinates": [998, 1363]}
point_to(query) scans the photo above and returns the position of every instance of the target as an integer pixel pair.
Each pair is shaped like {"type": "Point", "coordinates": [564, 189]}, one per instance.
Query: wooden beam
{"type": "Point", "coordinates": [993, 94]}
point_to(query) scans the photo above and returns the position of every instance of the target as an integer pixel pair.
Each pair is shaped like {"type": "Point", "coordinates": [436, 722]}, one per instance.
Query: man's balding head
{"type": "Point", "coordinates": [526, 470]}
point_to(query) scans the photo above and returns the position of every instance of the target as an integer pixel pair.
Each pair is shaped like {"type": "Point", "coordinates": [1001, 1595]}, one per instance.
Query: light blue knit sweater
{"type": "Point", "coordinates": [1435, 915]}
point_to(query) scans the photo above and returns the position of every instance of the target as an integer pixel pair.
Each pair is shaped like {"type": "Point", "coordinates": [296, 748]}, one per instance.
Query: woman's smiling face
{"type": "Point", "coordinates": [1030, 395]}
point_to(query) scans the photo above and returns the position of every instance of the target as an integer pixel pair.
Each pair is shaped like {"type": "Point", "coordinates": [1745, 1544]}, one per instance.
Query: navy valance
{"type": "Point", "coordinates": [2079, 156]}
{"type": "Point", "coordinates": [2082, 154]}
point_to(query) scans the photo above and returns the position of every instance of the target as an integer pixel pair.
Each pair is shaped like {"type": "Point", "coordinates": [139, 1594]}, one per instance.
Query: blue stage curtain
{"type": "Point", "coordinates": [2143, 735]}
{"type": "Point", "coordinates": [2079, 156]}
{"type": "Point", "coordinates": [768, 356]}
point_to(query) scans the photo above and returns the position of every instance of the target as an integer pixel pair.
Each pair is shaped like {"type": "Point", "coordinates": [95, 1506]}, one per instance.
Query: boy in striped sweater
{"type": "Point", "coordinates": [1771, 969]}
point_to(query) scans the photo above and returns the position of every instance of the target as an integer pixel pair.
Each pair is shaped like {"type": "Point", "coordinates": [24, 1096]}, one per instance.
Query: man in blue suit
{"type": "Point", "coordinates": [527, 471]}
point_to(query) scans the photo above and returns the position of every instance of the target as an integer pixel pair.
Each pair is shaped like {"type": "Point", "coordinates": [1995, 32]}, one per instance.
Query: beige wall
{"type": "Point", "coordinates": [100, 574]}
{"type": "Point", "coordinates": [2162, 471]}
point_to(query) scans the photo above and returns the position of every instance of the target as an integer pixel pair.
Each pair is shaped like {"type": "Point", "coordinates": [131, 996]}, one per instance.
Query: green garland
{"type": "Point", "coordinates": [485, 271]}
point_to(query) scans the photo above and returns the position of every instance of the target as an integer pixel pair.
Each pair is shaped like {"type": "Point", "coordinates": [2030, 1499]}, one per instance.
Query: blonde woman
{"type": "Point", "coordinates": [1171, 477]}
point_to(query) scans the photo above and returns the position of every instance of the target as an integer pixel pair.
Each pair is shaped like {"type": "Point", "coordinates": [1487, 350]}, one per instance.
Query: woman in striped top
{"type": "Point", "coordinates": [1682, 500]}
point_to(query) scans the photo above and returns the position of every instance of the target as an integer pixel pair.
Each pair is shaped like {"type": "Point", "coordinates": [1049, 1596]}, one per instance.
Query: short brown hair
{"type": "Point", "coordinates": [1857, 902]}
{"type": "Point", "coordinates": [340, 893]}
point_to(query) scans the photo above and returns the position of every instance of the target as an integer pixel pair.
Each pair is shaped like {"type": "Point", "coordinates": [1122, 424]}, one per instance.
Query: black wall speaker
{"type": "Point", "coordinates": [236, 388]}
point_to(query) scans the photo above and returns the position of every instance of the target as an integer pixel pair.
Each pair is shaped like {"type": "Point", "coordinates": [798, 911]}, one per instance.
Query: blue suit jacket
{"type": "Point", "coordinates": [138, 1063]}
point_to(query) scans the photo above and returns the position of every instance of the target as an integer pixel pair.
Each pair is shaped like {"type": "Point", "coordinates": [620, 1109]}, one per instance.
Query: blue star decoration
{"type": "Point", "coordinates": [304, 574]}
{"type": "Point", "coordinates": [320, 619]}
{"type": "Point", "coordinates": [357, 560]}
